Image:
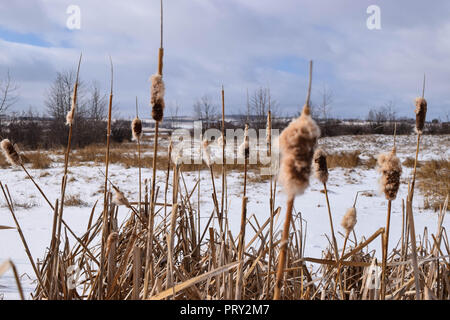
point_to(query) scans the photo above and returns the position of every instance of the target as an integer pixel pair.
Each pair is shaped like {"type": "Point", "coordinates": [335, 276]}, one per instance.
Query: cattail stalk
{"type": "Point", "coordinates": [321, 171]}
{"type": "Point", "coordinates": [391, 170]}
{"type": "Point", "coordinates": [223, 157]}
{"type": "Point", "coordinates": [271, 201]}
{"type": "Point", "coordinates": [297, 143]}
{"type": "Point", "coordinates": [157, 114]}
{"type": "Point", "coordinates": [105, 227]}
{"type": "Point", "coordinates": [241, 245]}
{"type": "Point", "coordinates": [136, 129]}
{"type": "Point", "coordinates": [420, 121]}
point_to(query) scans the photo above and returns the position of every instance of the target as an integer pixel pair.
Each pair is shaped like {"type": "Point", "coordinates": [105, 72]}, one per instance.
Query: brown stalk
{"type": "Point", "coordinates": [283, 250]}
{"type": "Point", "coordinates": [149, 268]}
{"type": "Point", "coordinates": [105, 228]}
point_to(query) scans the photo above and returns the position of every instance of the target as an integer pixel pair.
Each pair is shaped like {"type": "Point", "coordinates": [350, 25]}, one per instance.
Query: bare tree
{"type": "Point", "coordinates": [324, 105]}
{"type": "Point", "coordinates": [8, 93]}
{"type": "Point", "coordinates": [205, 109]}
{"type": "Point", "coordinates": [97, 103]}
{"type": "Point", "coordinates": [59, 96]}
{"type": "Point", "coordinates": [383, 114]}
{"type": "Point", "coordinates": [259, 104]}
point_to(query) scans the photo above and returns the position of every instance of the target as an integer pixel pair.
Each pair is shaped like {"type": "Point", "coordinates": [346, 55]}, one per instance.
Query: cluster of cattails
{"type": "Point", "coordinates": [244, 148]}
{"type": "Point", "coordinates": [349, 220]}
{"type": "Point", "coordinates": [157, 97]}
{"type": "Point", "coordinates": [297, 145]}
{"type": "Point", "coordinates": [320, 165]}
{"type": "Point", "coordinates": [391, 169]}
{"type": "Point", "coordinates": [421, 113]}
{"type": "Point", "coordinates": [119, 198]}
{"type": "Point", "coordinates": [136, 128]}
{"type": "Point", "coordinates": [10, 152]}
{"type": "Point", "coordinates": [206, 152]}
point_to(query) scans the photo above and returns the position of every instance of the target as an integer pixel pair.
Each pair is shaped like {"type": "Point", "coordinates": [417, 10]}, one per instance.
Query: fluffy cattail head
{"type": "Point", "coordinates": [112, 238]}
{"type": "Point", "coordinates": [70, 116]}
{"type": "Point", "coordinates": [206, 152]}
{"type": "Point", "coordinates": [177, 154]}
{"type": "Point", "coordinates": [421, 114]}
{"type": "Point", "coordinates": [119, 198]}
{"type": "Point", "coordinates": [10, 152]}
{"type": "Point", "coordinates": [320, 165]}
{"type": "Point", "coordinates": [390, 167]}
{"type": "Point", "coordinates": [244, 148]}
{"type": "Point", "coordinates": [136, 128]}
{"type": "Point", "coordinates": [269, 127]}
{"type": "Point", "coordinates": [157, 97]}
{"type": "Point", "coordinates": [221, 140]}
{"type": "Point", "coordinates": [349, 220]}
{"type": "Point", "coordinates": [297, 145]}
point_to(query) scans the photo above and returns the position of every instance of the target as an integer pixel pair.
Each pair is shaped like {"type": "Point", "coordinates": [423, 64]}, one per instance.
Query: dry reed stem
{"type": "Point", "coordinates": [105, 228]}
{"type": "Point", "coordinates": [283, 250]}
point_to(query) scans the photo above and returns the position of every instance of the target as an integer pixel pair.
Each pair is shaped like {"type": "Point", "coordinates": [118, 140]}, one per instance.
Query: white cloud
{"type": "Point", "coordinates": [241, 44]}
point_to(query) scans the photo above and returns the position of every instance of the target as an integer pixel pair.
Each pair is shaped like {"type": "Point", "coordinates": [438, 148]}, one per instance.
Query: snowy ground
{"type": "Point", "coordinates": [86, 181]}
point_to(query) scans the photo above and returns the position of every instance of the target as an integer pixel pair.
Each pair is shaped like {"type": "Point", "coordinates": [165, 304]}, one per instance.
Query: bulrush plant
{"type": "Point", "coordinates": [421, 111]}
{"type": "Point", "coordinates": [136, 129]}
{"type": "Point", "coordinates": [105, 213]}
{"type": "Point", "coordinates": [157, 102]}
{"type": "Point", "coordinates": [297, 145]}
{"type": "Point", "coordinates": [348, 223]}
{"type": "Point", "coordinates": [245, 152]}
{"type": "Point", "coordinates": [321, 172]}
{"type": "Point", "coordinates": [390, 167]}
{"type": "Point", "coordinates": [272, 187]}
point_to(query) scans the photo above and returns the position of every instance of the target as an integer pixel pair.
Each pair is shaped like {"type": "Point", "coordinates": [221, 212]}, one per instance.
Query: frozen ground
{"type": "Point", "coordinates": [86, 181]}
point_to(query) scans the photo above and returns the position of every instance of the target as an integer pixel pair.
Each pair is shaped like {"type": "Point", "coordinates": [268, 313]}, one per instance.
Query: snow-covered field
{"type": "Point", "coordinates": [35, 216]}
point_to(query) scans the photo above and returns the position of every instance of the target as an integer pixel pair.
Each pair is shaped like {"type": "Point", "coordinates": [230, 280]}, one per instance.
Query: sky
{"type": "Point", "coordinates": [240, 44]}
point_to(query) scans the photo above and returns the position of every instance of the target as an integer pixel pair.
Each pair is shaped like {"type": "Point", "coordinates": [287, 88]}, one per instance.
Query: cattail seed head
{"type": "Point", "coordinates": [10, 152]}
{"type": "Point", "coordinates": [112, 238]}
{"type": "Point", "coordinates": [157, 97]}
{"type": "Point", "coordinates": [177, 155]}
{"type": "Point", "coordinates": [297, 145]}
{"type": "Point", "coordinates": [119, 198]}
{"type": "Point", "coordinates": [320, 165]}
{"type": "Point", "coordinates": [269, 128]}
{"type": "Point", "coordinates": [136, 128]}
{"type": "Point", "coordinates": [221, 140]}
{"type": "Point", "coordinates": [70, 116]}
{"type": "Point", "coordinates": [349, 220]}
{"type": "Point", "coordinates": [206, 152]}
{"type": "Point", "coordinates": [421, 114]}
{"type": "Point", "coordinates": [244, 148]}
{"type": "Point", "coordinates": [390, 167]}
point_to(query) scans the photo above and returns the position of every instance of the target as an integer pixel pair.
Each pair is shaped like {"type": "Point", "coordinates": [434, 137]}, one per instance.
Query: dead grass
{"type": "Point", "coordinates": [344, 159]}
{"type": "Point", "coordinates": [74, 200]}
{"type": "Point", "coordinates": [409, 163]}
{"type": "Point", "coordinates": [434, 182]}
{"type": "Point", "coordinates": [38, 159]}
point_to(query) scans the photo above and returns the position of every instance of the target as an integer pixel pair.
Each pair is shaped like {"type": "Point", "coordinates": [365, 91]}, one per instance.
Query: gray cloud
{"type": "Point", "coordinates": [241, 44]}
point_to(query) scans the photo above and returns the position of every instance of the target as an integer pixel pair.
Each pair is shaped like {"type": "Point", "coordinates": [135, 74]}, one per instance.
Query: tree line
{"type": "Point", "coordinates": [49, 129]}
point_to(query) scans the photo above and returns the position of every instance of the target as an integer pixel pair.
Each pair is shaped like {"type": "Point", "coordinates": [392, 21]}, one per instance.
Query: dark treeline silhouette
{"type": "Point", "coordinates": [33, 131]}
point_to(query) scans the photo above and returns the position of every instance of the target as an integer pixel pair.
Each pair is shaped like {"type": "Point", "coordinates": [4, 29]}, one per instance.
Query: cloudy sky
{"type": "Point", "coordinates": [242, 44]}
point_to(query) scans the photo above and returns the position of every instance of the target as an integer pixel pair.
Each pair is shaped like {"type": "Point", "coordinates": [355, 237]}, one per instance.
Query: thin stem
{"type": "Point", "coordinates": [283, 250]}
{"type": "Point", "coordinates": [385, 251]}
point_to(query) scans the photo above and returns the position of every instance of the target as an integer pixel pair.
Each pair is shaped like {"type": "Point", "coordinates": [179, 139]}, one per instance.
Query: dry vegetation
{"type": "Point", "coordinates": [161, 251]}
{"type": "Point", "coordinates": [434, 182]}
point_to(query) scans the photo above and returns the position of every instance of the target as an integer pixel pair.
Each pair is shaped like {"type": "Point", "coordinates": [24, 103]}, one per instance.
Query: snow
{"type": "Point", "coordinates": [86, 181]}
